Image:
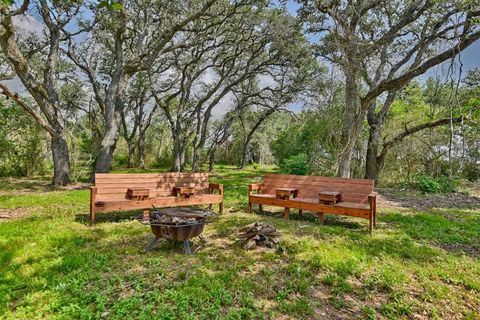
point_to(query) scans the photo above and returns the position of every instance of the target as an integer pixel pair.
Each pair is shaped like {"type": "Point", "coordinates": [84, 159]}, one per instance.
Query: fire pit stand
{"type": "Point", "coordinates": [180, 224]}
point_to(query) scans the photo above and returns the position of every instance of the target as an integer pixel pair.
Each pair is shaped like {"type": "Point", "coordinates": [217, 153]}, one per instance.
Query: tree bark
{"type": "Point", "coordinates": [211, 160]}
{"type": "Point", "coordinates": [178, 154]}
{"type": "Point", "coordinates": [246, 143]}
{"type": "Point", "coordinates": [61, 161]}
{"type": "Point", "coordinates": [373, 165]}
{"type": "Point", "coordinates": [141, 148]}
{"type": "Point", "coordinates": [196, 158]}
{"type": "Point", "coordinates": [131, 154]}
{"type": "Point", "coordinates": [353, 120]}
{"type": "Point", "coordinates": [108, 145]}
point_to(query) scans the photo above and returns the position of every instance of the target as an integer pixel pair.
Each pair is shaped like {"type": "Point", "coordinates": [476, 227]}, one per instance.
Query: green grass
{"type": "Point", "coordinates": [416, 263]}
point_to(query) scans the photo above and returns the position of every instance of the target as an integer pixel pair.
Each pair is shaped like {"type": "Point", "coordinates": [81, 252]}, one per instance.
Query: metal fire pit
{"type": "Point", "coordinates": [177, 231]}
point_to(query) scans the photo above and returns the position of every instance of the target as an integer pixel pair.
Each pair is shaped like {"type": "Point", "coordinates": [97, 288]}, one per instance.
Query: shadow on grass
{"type": "Point", "coordinates": [109, 217]}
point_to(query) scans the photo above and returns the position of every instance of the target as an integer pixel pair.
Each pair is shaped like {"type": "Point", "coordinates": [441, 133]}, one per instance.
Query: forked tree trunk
{"type": "Point", "coordinates": [61, 161]}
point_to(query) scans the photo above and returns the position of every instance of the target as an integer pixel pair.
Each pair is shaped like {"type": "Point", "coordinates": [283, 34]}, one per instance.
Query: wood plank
{"type": "Point", "coordinates": [105, 206]}
{"type": "Point", "coordinates": [323, 185]}
{"type": "Point", "coordinates": [152, 185]}
{"type": "Point", "coordinates": [150, 175]}
{"type": "Point", "coordinates": [311, 205]}
{"type": "Point", "coordinates": [166, 180]}
{"type": "Point", "coordinates": [318, 178]}
{"type": "Point", "coordinates": [316, 181]}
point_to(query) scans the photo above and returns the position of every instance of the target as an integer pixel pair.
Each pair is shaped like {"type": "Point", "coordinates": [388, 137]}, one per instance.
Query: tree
{"type": "Point", "coordinates": [131, 39]}
{"type": "Point", "coordinates": [40, 76]}
{"type": "Point", "coordinates": [137, 118]}
{"type": "Point", "coordinates": [221, 132]}
{"type": "Point", "coordinates": [381, 46]}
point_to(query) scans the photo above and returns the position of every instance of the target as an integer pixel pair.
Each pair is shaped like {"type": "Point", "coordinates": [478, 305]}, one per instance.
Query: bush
{"type": "Point", "coordinates": [434, 184]}
{"type": "Point", "coordinates": [296, 164]}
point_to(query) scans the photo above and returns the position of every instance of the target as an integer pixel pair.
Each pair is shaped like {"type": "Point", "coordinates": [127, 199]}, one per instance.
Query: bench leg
{"type": "Point", "coordinates": [249, 207]}
{"type": "Point", "coordinates": [321, 217]}
{"type": "Point", "coordinates": [370, 223]}
{"type": "Point", "coordinates": [220, 207]}
{"type": "Point", "coordinates": [210, 207]}
{"type": "Point", "coordinates": [93, 193]}
{"type": "Point", "coordinates": [92, 216]}
{"type": "Point", "coordinates": [260, 208]}
{"type": "Point", "coordinates": [286, 214]}
{"type": "Point", "coordinates": [300, 211]}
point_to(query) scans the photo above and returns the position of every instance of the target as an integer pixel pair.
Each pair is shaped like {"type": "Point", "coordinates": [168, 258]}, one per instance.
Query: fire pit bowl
{"type": "Point", "coordinates": [178, 224]}
{"type": "Point", "coordinates": [178, 232]}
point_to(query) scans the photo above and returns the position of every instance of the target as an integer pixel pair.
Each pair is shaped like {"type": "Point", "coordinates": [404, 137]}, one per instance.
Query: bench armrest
{"type": "Point", "coordinates": [372, 195]}
{"type": "Point", "coordinates": [216, 186]}
{"type": "Point", "coordinates": [255, 186]}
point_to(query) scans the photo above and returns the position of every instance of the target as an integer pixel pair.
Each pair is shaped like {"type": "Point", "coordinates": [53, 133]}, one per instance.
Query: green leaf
{"type": "Point", "coordinates": [102, 4]}
{"type": "Point", "coordinates": [8, 2]}
{"type": "Point", "coordinates": [117, 6]}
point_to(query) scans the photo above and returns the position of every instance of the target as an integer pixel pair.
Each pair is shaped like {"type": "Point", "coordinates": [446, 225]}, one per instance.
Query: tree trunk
{"type": "Point", "coordinates": [372, 166]}
{"type": "Point", "coordinates": [353, 119]}
{"type": "Point", "coordinates": [243, 162]}
{"type": "Point", "coordinates": [211, 160]}
{"type": "Point", "coordinates": [196, 158]}
{"type": "Point", "coordinates": [61, 161]}
{"type": "Point", "coordinates": [178, 154]}
{"type": "Point", "coordinates": [131, 154]}
{"type": "Point", "coordinates": [107, 147]}
{"type": "Point", "coordinates": [141, 148]}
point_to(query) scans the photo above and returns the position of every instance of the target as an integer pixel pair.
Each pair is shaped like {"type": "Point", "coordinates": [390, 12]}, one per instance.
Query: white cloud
{"type": "Point", "coordinates": [30, 25]}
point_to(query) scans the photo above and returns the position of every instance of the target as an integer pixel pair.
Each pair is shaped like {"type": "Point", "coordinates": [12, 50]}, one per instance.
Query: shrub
{"type": "Point", "coordinates": [296, 164]}
{"type": "Point", "coordinates": [434, 184]}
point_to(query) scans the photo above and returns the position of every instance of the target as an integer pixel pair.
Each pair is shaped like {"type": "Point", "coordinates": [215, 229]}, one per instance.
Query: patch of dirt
{"type": "Point", "coordinates": [325, 310]}
{"type": "Point", "coordinates": [472, 251]}
{"type": "Point", "coordinates": [428, 201]}
{"type": "Point", "coordinates": [11, 214]}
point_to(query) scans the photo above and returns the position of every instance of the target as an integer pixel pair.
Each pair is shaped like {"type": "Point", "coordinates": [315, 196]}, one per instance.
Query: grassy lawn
{"type": "Point", "coordinates": [417, 264]}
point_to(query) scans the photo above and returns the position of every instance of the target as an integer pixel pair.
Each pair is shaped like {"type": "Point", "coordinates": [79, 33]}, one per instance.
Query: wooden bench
{"type": "Point", "coordinates": [320, 194]}
{"type": "Point", "coordinates": [110, 191]}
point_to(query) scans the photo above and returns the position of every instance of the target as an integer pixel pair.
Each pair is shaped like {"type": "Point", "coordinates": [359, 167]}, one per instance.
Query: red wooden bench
{"type": "Point", "coordinates": [110, 191]}
{"type": "Point", "coordinates": [349, 197]}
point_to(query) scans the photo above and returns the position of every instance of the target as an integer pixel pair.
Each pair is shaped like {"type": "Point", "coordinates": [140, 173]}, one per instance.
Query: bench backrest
{"type": "Point", "coordinates": [353, 190]}
{"type": "Point", "coordinates": [115, 185]}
